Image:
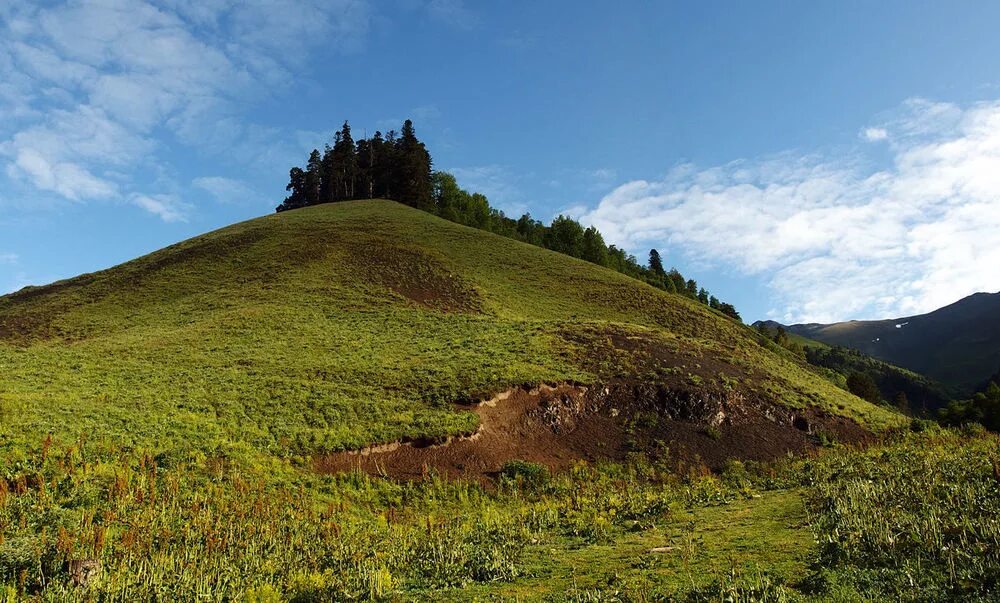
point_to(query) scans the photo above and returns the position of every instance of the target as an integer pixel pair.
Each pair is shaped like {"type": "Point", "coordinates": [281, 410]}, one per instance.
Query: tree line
{"type": "Point", "coordinates": [398, 166]}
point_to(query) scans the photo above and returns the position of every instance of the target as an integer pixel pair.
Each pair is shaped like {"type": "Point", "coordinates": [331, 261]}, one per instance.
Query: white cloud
{"type": "Point", "coordinates": [875, 134]}
{"type": "Point", "coordinates": [90, 86]}
{"type": "Point", "coordinates": [66, 178]}
{"type": "Point", "coordinates": [227, 190]}
{"type": "Point", "coordinates": [165, 207]}
{"type": "Point", "coordinates": [8, 258]}
{"type": "Point", "coordinates": [835, 237]}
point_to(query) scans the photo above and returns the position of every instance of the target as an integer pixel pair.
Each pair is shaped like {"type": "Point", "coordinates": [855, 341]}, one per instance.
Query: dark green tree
{"type": "Point", "coordinates": [863, 386]}
{"type": "Point", "coordinates": [297, 189]}
{"type": "Point", "coordinates": [414, 170]}
{"type": "Point", "coordinates": [313, 178]}
{"type": "Point", "coordinates": [565, 235]}
{"type": "Point", "coordinates": [691, 288]}
{"type": "Point", "coordinates": [656, 263]}
{"type": "Point", "coordinates": [594, 250]}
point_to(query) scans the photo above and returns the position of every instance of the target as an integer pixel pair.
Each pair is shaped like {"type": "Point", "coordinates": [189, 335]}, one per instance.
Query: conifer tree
{"type": "Point", "coordinates": [314, 169]}
{"type": "Point", "coordinates": [415, 170]}
{"type": "Point", "coordinates": [656, 263]}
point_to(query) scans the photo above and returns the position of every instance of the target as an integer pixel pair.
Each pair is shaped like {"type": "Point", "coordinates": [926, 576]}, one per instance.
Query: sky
{"type": "Point", "coordinates": [805, 161]}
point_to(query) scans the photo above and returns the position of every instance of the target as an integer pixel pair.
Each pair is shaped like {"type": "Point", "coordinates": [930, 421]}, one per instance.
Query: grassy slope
{"type": "Point", "coordinates": [312, 330]}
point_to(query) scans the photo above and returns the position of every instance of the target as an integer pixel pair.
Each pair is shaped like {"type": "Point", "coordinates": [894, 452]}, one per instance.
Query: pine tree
{"type": "Point", "coordinates": [345, 162]}
{"type": "Point", "coordinates": [656, 263]}
{"type": "Point", "coordinates": [366, 161]}
{"type": "Point", "coordinates": [415, 170]}
{"type": "Point", "coordinates": [297, 188]}
{"type": "Point", "coordinates": [703, 296]}
{"type": "Point", "coordinates": [691, 288]}
{"type": "Point", "coordinates": [313, 177]}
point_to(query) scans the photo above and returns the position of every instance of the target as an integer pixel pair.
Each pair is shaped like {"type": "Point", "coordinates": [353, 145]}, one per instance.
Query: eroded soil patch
{"type": "Point", "coordinates": [557, 425]}
{"type": "Point", "coordinates": [415, 276]}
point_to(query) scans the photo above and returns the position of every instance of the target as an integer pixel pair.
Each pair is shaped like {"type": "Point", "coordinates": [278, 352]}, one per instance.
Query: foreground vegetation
{"type": "Point", "coordinates": [914, 519]}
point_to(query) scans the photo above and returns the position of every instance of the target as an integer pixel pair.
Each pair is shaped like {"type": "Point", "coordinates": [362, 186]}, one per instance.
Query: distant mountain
{"type": "Point", "coordinates": [838, 363]}
{"type": "Point", "coordinates": [957, 345]}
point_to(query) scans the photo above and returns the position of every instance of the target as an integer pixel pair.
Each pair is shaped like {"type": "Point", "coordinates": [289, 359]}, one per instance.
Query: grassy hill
{"type": "Point", "coordinates": [344, 325]}
{"type": "Point", "coordinates": [188, 420]}
{"type": "Point", "coordinates": [958, 345]}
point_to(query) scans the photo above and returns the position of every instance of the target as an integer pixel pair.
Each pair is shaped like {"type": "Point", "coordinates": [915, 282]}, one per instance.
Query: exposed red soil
{"type": "Point", "coordinates": [556, 426]}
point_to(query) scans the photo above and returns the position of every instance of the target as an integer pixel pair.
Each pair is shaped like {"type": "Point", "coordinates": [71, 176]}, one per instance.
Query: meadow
{"type": "Point", "coordinates": [163, 419]}
{"type": "Point", "coordinates": [916, 518]}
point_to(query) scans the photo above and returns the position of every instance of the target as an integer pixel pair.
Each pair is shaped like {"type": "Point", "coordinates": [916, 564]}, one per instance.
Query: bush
{"type": "Point", "coordinates": [525, 475]}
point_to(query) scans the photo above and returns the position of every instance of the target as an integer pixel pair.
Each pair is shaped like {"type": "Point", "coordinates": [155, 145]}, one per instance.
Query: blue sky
{"type": "Point", "coordinates": [805, 161]}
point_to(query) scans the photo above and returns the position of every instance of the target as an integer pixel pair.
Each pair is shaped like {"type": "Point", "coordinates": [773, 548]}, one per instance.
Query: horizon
{"type": "Point", "coordinates": [740, 147]}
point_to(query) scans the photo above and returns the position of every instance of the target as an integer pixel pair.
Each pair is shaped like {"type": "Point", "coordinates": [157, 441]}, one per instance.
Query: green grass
{"type": "Point", "coordinates": [288, 334]}
{"type": "Point", "coordinates": [161, 417]}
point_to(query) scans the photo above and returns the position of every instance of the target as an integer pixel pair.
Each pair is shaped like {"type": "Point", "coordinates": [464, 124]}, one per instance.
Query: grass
{"type": "Point", "coordinates": [161, 417]}
{"type": "Point", "coordinates": [914, 519]}
{"type": "Point", "coordinates": [309, 331]}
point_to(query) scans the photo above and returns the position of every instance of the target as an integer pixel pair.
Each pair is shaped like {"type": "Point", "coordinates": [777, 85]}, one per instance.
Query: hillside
{"type": "Point", "coordinates": [345, 325]}
{"type": "Point", "coordinates": [190, 423]}
{"type": "Point", "coordinates": [920, 394]}
{"type": "Point", "coordinates": [957, 345]}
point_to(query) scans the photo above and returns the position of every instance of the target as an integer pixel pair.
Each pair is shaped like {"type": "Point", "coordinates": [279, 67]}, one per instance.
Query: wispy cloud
{"type": "Point", "coordinates": [8, 258]}
{"type": "Point", "coordinates": [94, 92]}
{"type": "Point", "coordinates": [227, 190]}
{"type": "Point", "coordinates": [836, 236]}
{"type": "Point", "coordinates": [498, 182]}
{"type": "Point", "coordinates": [166, 207]}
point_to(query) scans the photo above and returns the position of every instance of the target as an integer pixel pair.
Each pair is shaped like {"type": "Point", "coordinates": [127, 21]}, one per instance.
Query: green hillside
{"type": "Point", "coordinates": [343, 325]}
{"type": "Point", "coordinates": [183, 423]}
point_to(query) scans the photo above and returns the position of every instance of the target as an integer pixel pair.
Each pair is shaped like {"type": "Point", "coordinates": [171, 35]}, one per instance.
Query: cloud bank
{"type": "Point", "coordinates": [94, 93]}
{"type": "Point", "coordinates": [836, 237]}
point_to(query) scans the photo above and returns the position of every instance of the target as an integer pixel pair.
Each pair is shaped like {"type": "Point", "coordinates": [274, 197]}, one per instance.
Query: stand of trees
{"type": "Point", "coordinates": [398, 167]}
{"type": "Point", "coordinates": [982, 408]}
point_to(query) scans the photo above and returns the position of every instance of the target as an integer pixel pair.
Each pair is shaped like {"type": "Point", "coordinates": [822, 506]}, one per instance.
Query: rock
{"type": "Point", "coordinates": [83, 571]}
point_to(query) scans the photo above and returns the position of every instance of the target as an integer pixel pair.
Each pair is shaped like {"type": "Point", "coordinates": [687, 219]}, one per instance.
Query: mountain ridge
{"type": "Point", "coordinates": [957, 345]}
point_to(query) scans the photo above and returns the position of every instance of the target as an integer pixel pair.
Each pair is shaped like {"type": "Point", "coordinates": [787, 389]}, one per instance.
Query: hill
{"type": "Point", "coordinates": [897, 386]}
{"type": "Point", "coordinates": [193, 422]}
{"type": "Point", "coordinates": [957, 345]}
{"type": "Point", "coordinates": [345, 325]}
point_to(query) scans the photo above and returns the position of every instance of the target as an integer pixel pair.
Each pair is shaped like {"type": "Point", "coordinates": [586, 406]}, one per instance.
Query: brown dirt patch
{"type": "Point", "coordinates": [415, 276]}
{"type": "Point", "coordinates": [556, 426]}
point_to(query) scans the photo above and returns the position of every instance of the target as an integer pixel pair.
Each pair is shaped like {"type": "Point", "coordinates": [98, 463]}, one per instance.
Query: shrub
{"type": "Point", "coordinates": [525, 475]}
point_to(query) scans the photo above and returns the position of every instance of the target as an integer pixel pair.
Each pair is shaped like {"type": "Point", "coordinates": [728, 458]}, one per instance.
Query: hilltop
{"type": "Point", "coordinates": [346, 325]}
{"type": "Point", "coordinates": [957, 345]}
